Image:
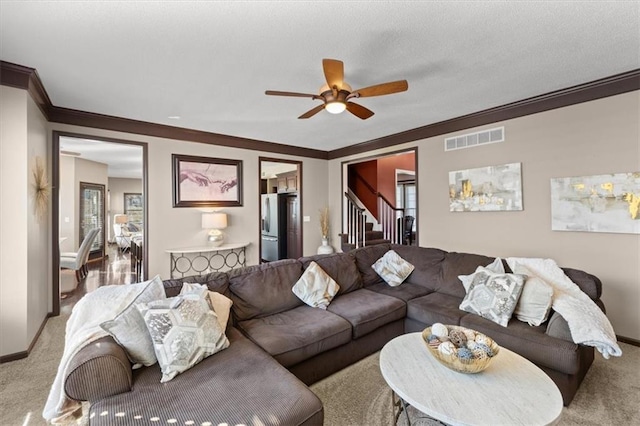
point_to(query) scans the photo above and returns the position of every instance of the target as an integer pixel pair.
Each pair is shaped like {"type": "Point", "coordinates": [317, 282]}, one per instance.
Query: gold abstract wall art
{"type": "Point", "coordinates": [491, 188]}
{"type": "Point", "coordinates": [600, 203]}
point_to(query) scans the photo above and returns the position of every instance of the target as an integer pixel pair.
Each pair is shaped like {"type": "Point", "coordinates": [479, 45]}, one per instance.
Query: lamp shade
{"type": "Point", "coordinates": [120, 219]}
{"type": "Point", "coordinates": [214, 220]}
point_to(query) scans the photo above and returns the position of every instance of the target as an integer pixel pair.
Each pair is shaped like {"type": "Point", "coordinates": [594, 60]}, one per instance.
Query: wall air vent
{"type": "Point", "coordinates": [474, 139]}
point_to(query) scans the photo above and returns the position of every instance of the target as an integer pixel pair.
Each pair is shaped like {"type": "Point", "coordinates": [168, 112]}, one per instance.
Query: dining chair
{"type": "Point", "coordinates": [78, 261]}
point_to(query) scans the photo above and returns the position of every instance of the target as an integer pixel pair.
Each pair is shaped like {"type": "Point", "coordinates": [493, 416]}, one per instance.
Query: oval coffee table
{"type": "Point", "coordinates": [511, 391]}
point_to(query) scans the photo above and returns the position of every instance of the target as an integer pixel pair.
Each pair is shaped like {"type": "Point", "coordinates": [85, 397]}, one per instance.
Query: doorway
{"type": "Point", "coordinates": [380, 202]}
{"type": "Point", "coordinates": [280, 209]}
{"type": "Point", "coordinates": [90, 176]}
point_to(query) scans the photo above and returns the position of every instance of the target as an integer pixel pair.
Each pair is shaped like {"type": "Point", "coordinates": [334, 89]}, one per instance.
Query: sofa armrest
{"type": "Point", "coordinates": [98, 370]}
{"type": "Point", "coordinates": [590, 284]}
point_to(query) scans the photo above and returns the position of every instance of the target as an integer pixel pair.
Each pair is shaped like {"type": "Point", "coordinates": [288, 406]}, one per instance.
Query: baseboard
{"type": "Point", "coordinates": [628, 340]}
{"type": "Point", "coordinates": [23, 354]}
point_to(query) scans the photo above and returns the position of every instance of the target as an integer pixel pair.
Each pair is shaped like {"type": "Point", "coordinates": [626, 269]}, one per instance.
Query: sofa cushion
{"type": "Point", "coordinates": [297, 334]}
{"type": "Point", "coordinates": [426, 262]}
{"type": "Point", "coordinates": [236, 386]}
{"type": "Point", "coordinates": [262, 290]}
{"type": "Point", "coordinates": [393, 268]}
{"type": "Point", "coordinates": [184, 330]}
{"type": "Point", "coordinates": [530, 342]}
{"type": "Point", "coordinates": [456, 264]}
{"type": "Point", "coordinates": [339, 266]}
{"type": "Point", "coordinates": [367, 256]}
{"type": "Point", "coordinates": [215, 281]}
{"type": "Point", "coordinates": [367, 310]}
{"type": "Point", "coordinates": [435, 307]}
{"type": "Point", "coordinates": [315, 287]}
{"type": "Point", "coordinates": [405, 292]}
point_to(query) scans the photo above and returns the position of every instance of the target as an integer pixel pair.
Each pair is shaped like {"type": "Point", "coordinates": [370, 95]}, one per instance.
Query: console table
{"type": "Point", "coordinates": [205, 259]}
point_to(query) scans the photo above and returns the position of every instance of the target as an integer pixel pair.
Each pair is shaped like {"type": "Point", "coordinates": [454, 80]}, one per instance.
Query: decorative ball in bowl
{"type": "Point", "coordinates": [460, 349]}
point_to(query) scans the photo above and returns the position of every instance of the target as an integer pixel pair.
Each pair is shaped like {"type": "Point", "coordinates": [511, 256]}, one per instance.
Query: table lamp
{"type": "Point", "coordinates": [215, 222]}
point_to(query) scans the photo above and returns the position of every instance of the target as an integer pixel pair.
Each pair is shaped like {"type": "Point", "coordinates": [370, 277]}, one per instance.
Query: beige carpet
{"type": "Point", "coordinates": [357, 395]}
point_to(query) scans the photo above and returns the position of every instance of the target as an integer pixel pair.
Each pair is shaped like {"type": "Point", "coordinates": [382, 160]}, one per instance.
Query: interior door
{"type": "Point", "coordinates": [92, 215]}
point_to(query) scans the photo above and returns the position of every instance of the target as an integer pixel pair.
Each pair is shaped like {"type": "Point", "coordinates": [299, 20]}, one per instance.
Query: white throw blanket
{"type": "Point", "coordinates": [587, 323]}
{"type": "Point", "coordinates": [83, 327]}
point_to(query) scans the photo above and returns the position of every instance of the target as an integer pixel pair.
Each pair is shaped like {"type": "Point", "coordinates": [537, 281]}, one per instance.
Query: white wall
{"type": "Point", "coordinates": [592, 138]}
{"type": "Point", "coordinates": [24, 239]}
{"type": "Point", "coordinates": [117, 188]}
{"type": "Point", "coordinates": [180, 227]}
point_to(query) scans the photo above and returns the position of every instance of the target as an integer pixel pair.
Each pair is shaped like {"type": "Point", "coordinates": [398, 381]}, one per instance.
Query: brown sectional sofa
{"type": "Point", "coordinates": [279, 344]}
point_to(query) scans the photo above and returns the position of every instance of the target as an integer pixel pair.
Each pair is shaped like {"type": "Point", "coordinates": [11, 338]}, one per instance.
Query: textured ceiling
{"type": "Point", "coordinates": [210, 62]}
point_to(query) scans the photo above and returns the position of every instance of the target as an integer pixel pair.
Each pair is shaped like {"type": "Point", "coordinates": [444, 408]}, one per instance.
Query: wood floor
{"type": "Point", "coordinates": [114, 269]}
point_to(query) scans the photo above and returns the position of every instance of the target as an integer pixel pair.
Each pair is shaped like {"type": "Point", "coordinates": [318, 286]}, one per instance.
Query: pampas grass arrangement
{"type": "Point", "coordinates": [41, 187]}
{"type": "Point", "coordinates": [324, 222]}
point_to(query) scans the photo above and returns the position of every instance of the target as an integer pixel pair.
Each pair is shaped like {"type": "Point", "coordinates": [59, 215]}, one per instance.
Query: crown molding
{"type": "Point", "coordinates": [107, 122]}
{"type": "Point", "coordinates": [27, 78]}
{"type": "Point", "coordinates": [602, 88]}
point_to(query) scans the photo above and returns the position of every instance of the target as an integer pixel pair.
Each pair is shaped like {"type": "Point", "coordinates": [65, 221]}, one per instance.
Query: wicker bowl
{"type": "Point", "coordinates": [469, 365]}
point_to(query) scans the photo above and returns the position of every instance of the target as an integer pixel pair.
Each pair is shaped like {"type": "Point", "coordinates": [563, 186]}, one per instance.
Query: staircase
{"type": "Point", "coordinates": [371, 237]}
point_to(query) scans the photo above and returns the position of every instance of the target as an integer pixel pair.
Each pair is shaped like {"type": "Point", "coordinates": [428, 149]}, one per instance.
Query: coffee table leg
{"type": "Point", "coordinates": [402, 406]}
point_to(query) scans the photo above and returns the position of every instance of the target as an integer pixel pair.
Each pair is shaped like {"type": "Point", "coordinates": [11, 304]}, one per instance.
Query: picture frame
{"type": "Point", "coordinates": [206, 182]}
{"type": "Point", "coordinates": [133, 207]}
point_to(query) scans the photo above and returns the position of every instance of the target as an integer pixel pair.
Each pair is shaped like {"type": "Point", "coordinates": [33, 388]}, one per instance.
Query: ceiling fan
{"type": "Point", "coordinates": [336, 95]}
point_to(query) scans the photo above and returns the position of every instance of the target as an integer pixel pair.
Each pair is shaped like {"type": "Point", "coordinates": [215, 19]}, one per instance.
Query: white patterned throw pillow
{"type": "Point", "coordinates": [393, 268]}
{"type": "Point", "coordinates": [129, 329]}
{"type": "Point", "coordinates": [184, 330]}
{"type": "Point", "coordinates": [315, 287]}
{"type": "Point", "coordinates": [493, 295]}
{"type": "Point", "coordinates": [220, 303]}
{"type": "Point", "coordinates": [495, 266]}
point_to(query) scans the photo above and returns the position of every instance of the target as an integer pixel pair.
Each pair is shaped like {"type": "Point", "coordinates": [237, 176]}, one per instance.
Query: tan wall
{"type": "Point", "coordinates": [24, 239]}
{"type": "Point", "coordinates": [180, 227]}
{"type": "Point", "coordinates": [592, 138]}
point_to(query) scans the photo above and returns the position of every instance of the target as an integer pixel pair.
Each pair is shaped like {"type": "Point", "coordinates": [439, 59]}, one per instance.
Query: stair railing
{"type": "Point", "coordinates": [392, 220]}
{"type": "Point", "coordinates": [355, 222]}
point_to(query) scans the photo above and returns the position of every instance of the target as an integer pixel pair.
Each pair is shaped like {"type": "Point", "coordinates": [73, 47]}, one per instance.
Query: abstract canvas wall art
{"type": "Point", "coordinates": [492, 188]}
{"type": "Point", "coordinates": [600, 203]}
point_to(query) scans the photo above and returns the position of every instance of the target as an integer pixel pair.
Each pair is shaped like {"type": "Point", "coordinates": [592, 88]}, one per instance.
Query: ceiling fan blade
{"type": "Point", "coordinates": [333, 72]}
{"type": "Point", "coordinates": [312, 112]}
{"type": "Point", "coordinates": [359, 111]}
{"type": "Point", "coordinates": [382, 89]}
{"type": "Point", "coordinates": [295, 94]}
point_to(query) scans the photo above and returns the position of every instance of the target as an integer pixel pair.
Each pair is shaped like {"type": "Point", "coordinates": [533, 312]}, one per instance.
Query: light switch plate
{"type": "Point", "coordinates": [306, 218]}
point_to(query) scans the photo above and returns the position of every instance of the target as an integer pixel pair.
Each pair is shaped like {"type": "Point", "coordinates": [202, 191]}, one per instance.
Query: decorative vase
{"type": "Point", "coordinates": [325, 248]}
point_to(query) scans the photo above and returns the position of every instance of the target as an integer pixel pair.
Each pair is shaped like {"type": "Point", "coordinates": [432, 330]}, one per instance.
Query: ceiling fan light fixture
{"type": "Point", "coordinates": [335, 107]}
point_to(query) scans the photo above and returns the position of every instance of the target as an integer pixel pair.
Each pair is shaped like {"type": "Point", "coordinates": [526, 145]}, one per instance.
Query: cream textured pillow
{"type": "Point", "coordinates": [493, 295]}
{"type": "Point", "coordinates": [184, 330]}
{"type": "Point", "coordinates": [535, 301]}
{"type": "Point", "coordinates": [392, 268]}
{"type": "Point", "coordinates": [315, 287]}
{"type": "Point", "coordinates": [220, 303]}
{"type": "Point", "coordinates": [129, 328]}
{"type": "Point", "coordinates": [495, 266]}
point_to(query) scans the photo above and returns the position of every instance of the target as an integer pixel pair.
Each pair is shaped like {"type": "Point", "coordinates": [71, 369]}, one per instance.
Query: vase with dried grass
{"type": "Point", "coordinates": [325, 248]}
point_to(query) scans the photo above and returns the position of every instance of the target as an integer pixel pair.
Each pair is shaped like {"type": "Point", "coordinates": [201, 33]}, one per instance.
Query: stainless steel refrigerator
{"type": "Point", "coordinates": [270, 228]}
